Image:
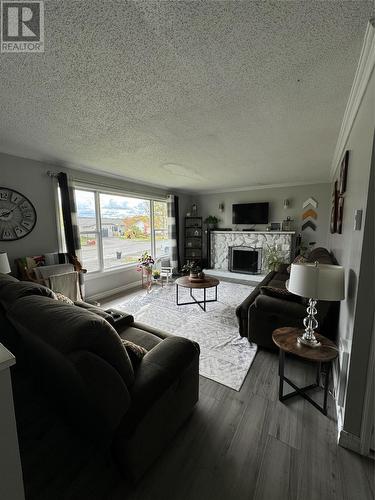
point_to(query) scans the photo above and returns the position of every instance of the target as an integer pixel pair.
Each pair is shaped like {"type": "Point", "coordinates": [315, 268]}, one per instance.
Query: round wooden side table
{"type": "Point", "coordinates": [323, 355]}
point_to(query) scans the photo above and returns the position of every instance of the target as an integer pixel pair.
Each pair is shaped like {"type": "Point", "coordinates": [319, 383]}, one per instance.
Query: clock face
{"type": "Point", "coordinates": [17, 215]}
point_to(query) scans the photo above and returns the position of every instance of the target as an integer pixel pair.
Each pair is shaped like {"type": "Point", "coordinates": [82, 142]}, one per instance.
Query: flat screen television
{"type": "Point", "coordinates": [250, 213]}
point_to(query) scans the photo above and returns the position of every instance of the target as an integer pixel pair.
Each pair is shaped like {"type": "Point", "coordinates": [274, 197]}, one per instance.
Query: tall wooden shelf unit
{"type": "Point", "coordinates": [193, 240]}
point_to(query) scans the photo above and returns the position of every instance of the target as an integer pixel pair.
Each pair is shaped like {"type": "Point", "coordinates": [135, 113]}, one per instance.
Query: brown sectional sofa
{"type": "Point", "coordinates": [79, 363]}
{"type": "Point", "coordinates": [260, 314]}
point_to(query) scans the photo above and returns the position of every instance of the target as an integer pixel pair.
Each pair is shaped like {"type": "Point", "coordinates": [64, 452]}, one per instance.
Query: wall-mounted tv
{"type": "Point", "coordinates": [250, 213]}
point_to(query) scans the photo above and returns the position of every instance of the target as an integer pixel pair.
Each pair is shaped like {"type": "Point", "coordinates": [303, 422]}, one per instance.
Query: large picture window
{"type": "Point", "coordinates": [115, 229]}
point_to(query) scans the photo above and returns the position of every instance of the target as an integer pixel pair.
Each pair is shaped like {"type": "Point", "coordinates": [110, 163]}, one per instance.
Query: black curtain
{"type": "Point", "coordinates": [177, 217]}
{"type": "Point", "coordinates": [69, 214]}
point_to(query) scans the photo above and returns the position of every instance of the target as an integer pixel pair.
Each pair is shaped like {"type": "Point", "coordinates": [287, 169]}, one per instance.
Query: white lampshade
{"type": "Point", "coordinates": [4, 263]}
{"type": "Point", "coordinates": [317, 281]}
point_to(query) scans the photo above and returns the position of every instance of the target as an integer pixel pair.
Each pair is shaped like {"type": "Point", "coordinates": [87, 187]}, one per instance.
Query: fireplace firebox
{"type": "Point", "coordinates": [243, 259]}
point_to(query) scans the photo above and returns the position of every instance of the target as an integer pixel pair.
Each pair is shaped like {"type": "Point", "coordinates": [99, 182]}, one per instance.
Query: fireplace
{"type": "Point", "coordinates": [247, 260]}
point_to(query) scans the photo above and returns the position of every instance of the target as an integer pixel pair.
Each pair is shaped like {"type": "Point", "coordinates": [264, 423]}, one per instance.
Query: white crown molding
{"type": "Point", "coordinates": [253, 188]}
{"type": "Point", "coordinates": [362, 76]}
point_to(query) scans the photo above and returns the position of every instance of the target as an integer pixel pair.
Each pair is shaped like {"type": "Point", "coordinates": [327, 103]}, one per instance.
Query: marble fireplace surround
{"type": "Point", "coordinates": [222, 240]}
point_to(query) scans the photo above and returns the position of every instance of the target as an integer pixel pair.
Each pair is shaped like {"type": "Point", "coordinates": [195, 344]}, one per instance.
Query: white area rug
{"type": "Point", "coordinates": [225, 356]}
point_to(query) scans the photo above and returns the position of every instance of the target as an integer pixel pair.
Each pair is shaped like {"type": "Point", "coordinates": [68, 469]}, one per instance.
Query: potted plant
{"type": "Point", "coordinates": [272, 258]}
{"type": "Point", "coordinates": [211, 221]}
{"type": "Point", "coordinates": [191, 268]}
{"type": "Point", "coordinates": [156, 274]}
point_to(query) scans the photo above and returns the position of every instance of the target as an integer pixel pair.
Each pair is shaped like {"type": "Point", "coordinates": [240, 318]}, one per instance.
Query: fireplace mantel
{"type": "Point", "coordinates": [222, 240]}
{"type": "Point", "coordinates": [253, 232]}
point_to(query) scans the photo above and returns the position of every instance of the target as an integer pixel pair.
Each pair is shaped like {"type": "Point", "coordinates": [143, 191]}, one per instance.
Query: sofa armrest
{"type": "Point", "coordinates": [160, 369]}
{"type": "Point", "coordinates": [282, 307]}
{"type": "Point", "coordinates": [242, 309]}
{"type": "Point", "coordinates": [105, 389]}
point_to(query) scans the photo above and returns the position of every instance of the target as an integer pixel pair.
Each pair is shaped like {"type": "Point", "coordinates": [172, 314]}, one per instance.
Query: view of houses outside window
{"type": "Point", "coordinates": [115, 230]}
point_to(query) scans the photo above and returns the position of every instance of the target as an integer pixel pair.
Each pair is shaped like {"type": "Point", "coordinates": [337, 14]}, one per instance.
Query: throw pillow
{"type": "Point", "coordinates": [280, 293]}
{"type": "Point", "coordinates": [135, 352]}
{"type": "Point", "coordinates": [300, 259]}
{"type": "Point", "coordinates": [64, 298]}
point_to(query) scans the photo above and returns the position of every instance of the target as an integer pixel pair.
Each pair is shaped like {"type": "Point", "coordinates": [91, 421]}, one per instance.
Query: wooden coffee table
{"type": "Point", "coordinates": [323, 355]}
{"type": "Point", "coordinates": [192, 285]}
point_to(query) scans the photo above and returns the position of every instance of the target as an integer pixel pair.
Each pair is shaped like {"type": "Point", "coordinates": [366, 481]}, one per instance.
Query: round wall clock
{"type": "Point", "coordinates": [17, 215]}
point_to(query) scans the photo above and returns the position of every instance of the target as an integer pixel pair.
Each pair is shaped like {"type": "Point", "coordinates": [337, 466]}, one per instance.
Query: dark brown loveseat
{"type": "Point", "coordinates": [81, 366]}
{"type": "Point", "coordinates": [261, 312]}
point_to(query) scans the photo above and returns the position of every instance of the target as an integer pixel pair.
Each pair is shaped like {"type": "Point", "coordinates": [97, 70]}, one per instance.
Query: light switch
{"type": "Point", "coordinates": [357, 220]}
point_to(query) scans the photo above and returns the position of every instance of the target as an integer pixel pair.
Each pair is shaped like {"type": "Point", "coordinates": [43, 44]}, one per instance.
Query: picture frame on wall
{"type": "Point", "coordinates": [275, 226]}
{"type": "Point", "coordinates": [333, 224]}
{"type": "Point", "coordinates": [344, 173]}
{"type": "Point", "coordinates": [340, 214]}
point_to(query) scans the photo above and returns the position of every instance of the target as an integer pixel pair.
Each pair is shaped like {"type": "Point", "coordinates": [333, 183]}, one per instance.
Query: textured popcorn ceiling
{"type": "Point", "coordinates": [196, 95]}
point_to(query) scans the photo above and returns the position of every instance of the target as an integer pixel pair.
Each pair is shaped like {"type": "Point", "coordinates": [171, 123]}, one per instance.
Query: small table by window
{"type": "Point", "coordinates": [323, 355]}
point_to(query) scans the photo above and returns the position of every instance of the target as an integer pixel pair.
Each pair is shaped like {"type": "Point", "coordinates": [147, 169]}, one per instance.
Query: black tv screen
{"type": "Point", "coordinates": [250, 213]}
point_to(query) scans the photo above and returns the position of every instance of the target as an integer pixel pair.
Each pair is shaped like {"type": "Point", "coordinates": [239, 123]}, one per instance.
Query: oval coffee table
{"type": "Point", "coordinates": [192, 285]}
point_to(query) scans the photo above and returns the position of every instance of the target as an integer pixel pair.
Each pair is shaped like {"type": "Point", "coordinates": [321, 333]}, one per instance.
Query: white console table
{"type": "Point", "coordinates": [11, 483]}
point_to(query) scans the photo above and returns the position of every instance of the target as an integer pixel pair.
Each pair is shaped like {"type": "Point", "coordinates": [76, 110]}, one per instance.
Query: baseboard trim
{"type": "Point", "coordinates": [114, 291]}
{"type": "Point", "coordinates": [350, 441]}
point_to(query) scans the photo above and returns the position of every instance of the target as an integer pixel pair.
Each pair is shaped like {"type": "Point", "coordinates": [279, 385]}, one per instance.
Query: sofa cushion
{"type": "Point", "coordinates": [135, 352]}
{"type": "Point", "coordinates": [94, 309]}
{"type": "Point", "coordinates": [300, 259]}
{"type": "Point", "coordinates": [321, 255]}
{"type": "Point", "coordinates": [70, 329]}
{"type": "Point", "coordinates": [12, 291]}
{"type": "Point", "coordinates": [63, 298]}
{"type": "Point", "coordinates": [7, 278]}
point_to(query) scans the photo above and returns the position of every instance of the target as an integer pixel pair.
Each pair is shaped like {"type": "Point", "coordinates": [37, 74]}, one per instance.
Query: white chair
{"type": "Point", "coordinates": [163, 265]}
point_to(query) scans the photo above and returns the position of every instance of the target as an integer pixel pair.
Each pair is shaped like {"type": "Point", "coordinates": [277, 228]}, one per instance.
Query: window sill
{"type": "Point", "coordinates": [108, 272]}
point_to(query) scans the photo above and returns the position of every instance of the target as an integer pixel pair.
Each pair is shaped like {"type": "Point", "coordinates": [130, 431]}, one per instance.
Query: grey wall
{"type": "Point", "coordinates": [31, 179]}
{"type": "Point", "coordinates": [208, 204]}
{"type": "Point", "coordinates": [357, 309]}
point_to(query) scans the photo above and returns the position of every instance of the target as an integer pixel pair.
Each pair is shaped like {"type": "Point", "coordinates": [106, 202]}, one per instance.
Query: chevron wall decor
{"type": "Point", "coordinates": [310, 201]}
{"type": "Point", "coordinates": [309, 224]}
{"type": "Point", "coordinates": [309, 213]}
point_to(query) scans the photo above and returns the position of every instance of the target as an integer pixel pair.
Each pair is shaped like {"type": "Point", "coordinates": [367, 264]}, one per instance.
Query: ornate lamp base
{"type": "Point", "coordinates": [308, 338]}
{"type": "Point", "coordinates": [309, 342]}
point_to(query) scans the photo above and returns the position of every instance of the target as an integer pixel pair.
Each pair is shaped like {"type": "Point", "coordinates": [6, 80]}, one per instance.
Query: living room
{"type": "Point", "coordinates": [188, 203]}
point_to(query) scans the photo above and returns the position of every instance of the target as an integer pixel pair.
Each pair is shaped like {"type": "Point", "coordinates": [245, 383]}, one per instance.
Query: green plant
{"type": "Point", "coordinates": [272, 258]}
{"type": "Point", "coordinates": [212, 220]}
{"type": "Point", "coordinates": [190, 266]}
{"type": "Point", "coordinates": [156, 274]}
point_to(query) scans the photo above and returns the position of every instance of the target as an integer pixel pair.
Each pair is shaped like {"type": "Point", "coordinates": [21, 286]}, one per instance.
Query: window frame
{"type": "Point", "coordinates": [98, 232]}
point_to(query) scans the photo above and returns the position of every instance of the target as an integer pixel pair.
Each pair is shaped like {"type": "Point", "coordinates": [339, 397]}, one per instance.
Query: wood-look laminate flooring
{"type": "Point", "coordinates": [248, 445]}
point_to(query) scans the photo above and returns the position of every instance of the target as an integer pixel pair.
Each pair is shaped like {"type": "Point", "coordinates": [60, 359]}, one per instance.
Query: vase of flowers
{"type": "Point", "coordinates": [144, 266]}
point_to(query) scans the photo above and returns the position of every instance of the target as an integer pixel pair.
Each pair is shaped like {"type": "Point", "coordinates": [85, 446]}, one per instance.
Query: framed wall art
{"type": "Point", "coordinates": [333, 224]}
{"type": "Point", "coordinates": [340, 214]}
{"type": "Point", "coordinates": [344, 173]}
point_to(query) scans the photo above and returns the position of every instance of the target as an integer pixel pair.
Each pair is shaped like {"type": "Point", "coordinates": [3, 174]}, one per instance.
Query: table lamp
{"type": "Point", "coordinates": [316, 282]}
{"type": "Point", "coordinates": [4, 263]}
